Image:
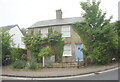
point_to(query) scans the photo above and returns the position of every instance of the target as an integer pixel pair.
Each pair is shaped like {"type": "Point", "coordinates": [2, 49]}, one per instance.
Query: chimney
{"type": "Point", "coordinates": [58, 14]}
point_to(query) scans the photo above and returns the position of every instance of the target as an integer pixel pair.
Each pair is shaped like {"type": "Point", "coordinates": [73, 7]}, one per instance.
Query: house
{"type": "Point", "coordinates": [17, 35]}
{"type": "Point", "coordinates": [72, 42]}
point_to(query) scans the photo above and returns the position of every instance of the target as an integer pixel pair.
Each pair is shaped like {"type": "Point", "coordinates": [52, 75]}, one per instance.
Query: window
{"type": "Point", "coordinates": [67, 50]}
{"type": "Point", "coordinates": [65, 31]}
{"type": "Point", "coordinates": [31, 31]}
{"type": "Point", "coordinates": [44, 32]}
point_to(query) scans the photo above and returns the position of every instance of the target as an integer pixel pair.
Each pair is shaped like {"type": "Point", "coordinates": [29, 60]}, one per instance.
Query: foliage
{"type": "Point", "coordinates": [34, 66]}
{"type": "Point", "coordinates": [45, 52]}
{"type": "Point", "coordinates": [19, 64]}
{"type": "Point", "coordinates": [18, 53]}
{"type": "Point", "coordinates": [37, 44]}
{"type": "Point", "coordinates": [24, 31]}
{"type": "Point", "coordinates": [33, 42]}
{"type": "Point", "coordinates": [97, 34]}
{"type": "Point", "coordinates": [58, 48]}
{"type": "Point", "coordinates": [6, 42]}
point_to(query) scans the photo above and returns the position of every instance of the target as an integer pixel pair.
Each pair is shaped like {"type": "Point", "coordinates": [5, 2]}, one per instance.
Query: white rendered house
{"type": "Point", "coordinates": [17, 35]}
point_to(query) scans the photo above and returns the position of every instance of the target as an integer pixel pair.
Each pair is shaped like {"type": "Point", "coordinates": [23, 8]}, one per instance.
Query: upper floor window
{"type": "Point", "coordinates": [65, 31]}
{"type": "Point", "coordinates": [44, 32]}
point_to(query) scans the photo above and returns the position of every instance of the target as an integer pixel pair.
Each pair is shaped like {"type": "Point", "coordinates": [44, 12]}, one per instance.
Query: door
{"type": "Point", "coordinates": [79, 53]}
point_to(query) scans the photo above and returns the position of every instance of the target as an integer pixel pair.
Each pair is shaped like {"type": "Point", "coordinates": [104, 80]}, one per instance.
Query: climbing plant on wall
{"type": "Point", "coordinates": [35, 43]}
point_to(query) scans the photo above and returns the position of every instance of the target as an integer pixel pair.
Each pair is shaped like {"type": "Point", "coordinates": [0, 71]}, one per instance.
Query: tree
{"type": "Point", "coordinates": [96, 33]}
{"type": "Point", "coordinates": [24, 31]}
{"type": "Point", "coordinates": [6, 42]}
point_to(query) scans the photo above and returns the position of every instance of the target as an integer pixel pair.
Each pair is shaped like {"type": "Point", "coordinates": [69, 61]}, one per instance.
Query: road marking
{"type": "Point", "coordinates": [19, 78]}
{"type": "Point", "coordinates": [58, 78]}
{"type": "Point", "coordinates": [109, 70]}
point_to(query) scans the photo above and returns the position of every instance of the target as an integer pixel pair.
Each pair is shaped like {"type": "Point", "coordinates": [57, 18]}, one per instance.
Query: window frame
{"type": "Point", "coordinates": [43, 33]}
{"type": "Point", "coordinates": [70, 50]}
{"type": "Point", "coordinates": [63, 31]}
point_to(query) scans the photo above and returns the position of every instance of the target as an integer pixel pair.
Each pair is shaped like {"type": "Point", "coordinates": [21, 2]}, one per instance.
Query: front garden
{"type": "Point", "coordinates": [46, 47]}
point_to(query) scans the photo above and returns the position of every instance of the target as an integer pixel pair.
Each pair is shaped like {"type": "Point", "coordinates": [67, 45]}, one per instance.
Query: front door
{"type": "Point", "coordinates": [79, 53]}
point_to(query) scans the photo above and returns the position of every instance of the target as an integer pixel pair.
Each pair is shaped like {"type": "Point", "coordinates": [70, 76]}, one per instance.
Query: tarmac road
{"type": "Point", "coordinates": [111, 75]}
{"type": "Point", "coordinates": [107, 75]}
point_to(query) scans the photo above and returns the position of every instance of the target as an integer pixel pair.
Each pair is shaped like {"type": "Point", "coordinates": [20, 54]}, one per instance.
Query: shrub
{"type": "Point", "coordinates": [19, 64]}
{"type": "Point", "coordinates": [17, 53]}
{"type": "Point", "coordinates": [34, 66]}
{"type": "Point", "coordinates": [45, 52]}
{"type": "Point", "coordinates": [58, 48]}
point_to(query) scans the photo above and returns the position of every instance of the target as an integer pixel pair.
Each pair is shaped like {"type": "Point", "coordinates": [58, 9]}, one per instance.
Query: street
{"type": "Point", "coordinates": [108, 75]}
{"type": "Point", "coordinates": [112, 75]}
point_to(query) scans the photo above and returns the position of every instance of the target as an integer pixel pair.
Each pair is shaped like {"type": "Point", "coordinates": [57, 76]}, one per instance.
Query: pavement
{"type": "Point", "coordinates": [56, 72]}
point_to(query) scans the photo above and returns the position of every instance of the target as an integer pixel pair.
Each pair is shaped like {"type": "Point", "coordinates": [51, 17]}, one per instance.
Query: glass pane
{"type": "Point", "coordinates": [67, 47]}
{"type": "Point", "coordinates": [65, 34]}
{"type": "Point", "coordinates": [65, 28]}
{"type": "Point", "coordinates": [67, 52]}
{"type": "Point", "coordinates": [45, 30]}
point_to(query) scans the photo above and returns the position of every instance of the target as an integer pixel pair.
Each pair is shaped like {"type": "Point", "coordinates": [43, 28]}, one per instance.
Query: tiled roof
{"type": "Point", "coordinates": [56, 22]}
{"type": "Point", "coordinates": [9, 26]}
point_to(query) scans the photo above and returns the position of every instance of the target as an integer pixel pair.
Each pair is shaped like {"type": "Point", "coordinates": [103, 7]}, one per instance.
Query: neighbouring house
{"type": "Point", "coordinates": [72, 42]}
{"type": "Point", "coordinates": [17, 35]}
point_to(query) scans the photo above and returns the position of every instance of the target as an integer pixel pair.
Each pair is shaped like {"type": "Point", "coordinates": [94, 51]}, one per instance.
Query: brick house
{"type": "Point", "coordinates": [72, 43]}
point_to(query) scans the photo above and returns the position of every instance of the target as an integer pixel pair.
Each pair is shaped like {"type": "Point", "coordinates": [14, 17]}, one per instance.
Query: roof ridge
{"type": "Point", "coordinates": [10, 25]}
{"type": "Point", "coordinates": [58, 19]}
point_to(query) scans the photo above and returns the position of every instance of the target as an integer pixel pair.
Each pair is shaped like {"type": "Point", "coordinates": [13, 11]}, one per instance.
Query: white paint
{"type": "Point", "coordinates": [65, 31]}
{"type": "Point", "coordinates": [44, 32]}
{"type": "Point", "coordinates": [109, 70]}
{"type": "Point", "coordinates": [67, 50]}
{"type": "Point", "coordinates": [17, 37]}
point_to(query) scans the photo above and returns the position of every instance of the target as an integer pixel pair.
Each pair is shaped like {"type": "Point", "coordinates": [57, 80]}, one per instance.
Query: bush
{"type": "Point", "coordinates": [17, 53]}
{"type": "Point", "coordinates": [45, 52]}
{"type": "Point", "coordinates": [19, 64]}
{"type": "Point", "coordinates": [58, 48]}
{"type": "Point", "coordinates": [34, 66]}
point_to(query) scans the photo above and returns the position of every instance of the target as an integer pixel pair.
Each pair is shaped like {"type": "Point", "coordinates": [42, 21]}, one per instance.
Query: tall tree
{"type": "Point", "coordinates": [96, 32]}
{"type": "Point", "coordinates": [6, 42]}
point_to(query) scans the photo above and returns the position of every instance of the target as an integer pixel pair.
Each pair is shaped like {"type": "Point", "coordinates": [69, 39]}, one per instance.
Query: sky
{"type": "Point", "coordinates": [27, 12]}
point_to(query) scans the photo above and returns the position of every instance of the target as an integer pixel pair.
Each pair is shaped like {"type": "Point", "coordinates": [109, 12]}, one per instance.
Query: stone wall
{"type": "Point", "coordinates": [74, 37]}
{"type": "Point", "coordinates": [49, 60]}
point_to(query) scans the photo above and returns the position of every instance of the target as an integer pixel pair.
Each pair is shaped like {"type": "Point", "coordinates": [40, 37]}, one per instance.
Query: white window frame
{"type": "Point", "coordinates": [65, 29]}
{"type": "Point", "coordinates": [44, 32]}
{"type": "Point", "coordinates": [69, 50]}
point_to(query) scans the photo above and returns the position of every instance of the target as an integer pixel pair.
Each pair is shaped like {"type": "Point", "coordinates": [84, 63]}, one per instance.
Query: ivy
{"type": "Point", "coordinates": [39, 45]}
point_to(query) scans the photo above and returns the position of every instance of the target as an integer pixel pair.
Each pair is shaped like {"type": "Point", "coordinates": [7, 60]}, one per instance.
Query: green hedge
{"type": "Point", "coordinates": [19, 64]}
{"type": "Point", "coordinates": [17, 53]}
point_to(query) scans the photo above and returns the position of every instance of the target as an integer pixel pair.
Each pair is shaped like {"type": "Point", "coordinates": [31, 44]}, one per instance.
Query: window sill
{"type": "Point", "coordinates": [66, 55]}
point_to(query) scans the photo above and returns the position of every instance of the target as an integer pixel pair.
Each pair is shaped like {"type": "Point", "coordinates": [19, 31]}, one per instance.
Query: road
{"type": "Point", "coordinates": [107, 75]}
{"type": "Point", "coordinates": [112, 75]}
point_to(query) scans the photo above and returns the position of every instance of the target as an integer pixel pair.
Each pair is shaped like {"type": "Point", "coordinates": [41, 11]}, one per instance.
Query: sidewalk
{"type": "Point", "coordinates": [57, 72]}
